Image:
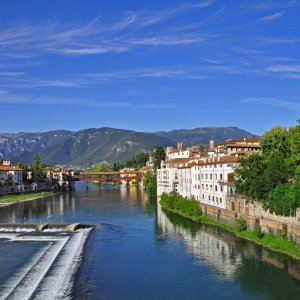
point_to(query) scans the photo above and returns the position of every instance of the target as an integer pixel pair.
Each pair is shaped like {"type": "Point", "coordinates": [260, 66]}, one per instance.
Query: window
{"type": "Point", "coordinates": [216, 176]}
{"type": "Point", "coordinates": [221, 176]}
{"type": "Point", "coordinates": [216, 188]}
{"type": "Point", "coordinates": [221, 188]}
{"type": "Point", "coordinates": [220, 200]}
{"type": "Point", "coordinates": [210, 176]}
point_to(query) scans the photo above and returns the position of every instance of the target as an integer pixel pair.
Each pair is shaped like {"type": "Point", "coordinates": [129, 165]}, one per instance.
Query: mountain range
{"type": "Point", "coordinates": [102, 145]}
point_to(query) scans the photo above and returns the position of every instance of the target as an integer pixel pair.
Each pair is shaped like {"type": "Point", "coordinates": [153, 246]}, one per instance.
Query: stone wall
{"type": "Point", "coordinates": [256, 217]}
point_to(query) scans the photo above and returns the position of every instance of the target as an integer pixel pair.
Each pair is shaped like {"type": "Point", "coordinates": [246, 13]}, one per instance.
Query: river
{"type": "Point", "coordinates": [138, 251]}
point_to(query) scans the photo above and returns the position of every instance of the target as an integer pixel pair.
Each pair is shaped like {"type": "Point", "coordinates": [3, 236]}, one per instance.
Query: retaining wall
{"type": "Point", "coordinates": [256, 217]}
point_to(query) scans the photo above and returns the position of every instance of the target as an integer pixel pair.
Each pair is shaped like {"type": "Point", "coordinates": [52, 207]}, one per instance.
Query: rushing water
{"type": "Point", "coordinates": [138, 251]}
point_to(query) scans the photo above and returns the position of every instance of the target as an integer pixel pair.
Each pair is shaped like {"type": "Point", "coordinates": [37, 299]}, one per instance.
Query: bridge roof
{"type": "Point", "coordinates": [110, 173]}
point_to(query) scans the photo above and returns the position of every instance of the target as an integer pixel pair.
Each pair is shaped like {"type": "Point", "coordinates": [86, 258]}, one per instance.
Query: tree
{"type": "Point", "coordinates": [141, 159]}
{"type": "Point", "coordinates": [38, 169]}
{"type": "Point", "coordinates": [276, 171]}
{"type": "Point", "coordinates": [158, 155]}
{"type": "Point", "coordinates": [150, 183]}
{"type": "Point", "coordinates": [276, 140]}
{"type": "Point", "coordinates": [24, 168]}
{"type": "Point", "coordinates": [249, 178]}
{"type": "Point", "coordinates": [101, 168]}
{"type": "Point", "coordinates": [294, 141]}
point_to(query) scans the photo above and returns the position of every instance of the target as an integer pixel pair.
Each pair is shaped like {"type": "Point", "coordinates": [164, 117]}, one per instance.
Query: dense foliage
{"type": "Point", "coordinates": [158, 155]}
{"type": "Point", "coordinates": [150, 183]}
{"type": "Point", "coordinates": [273, 176]}
{"type": "Point", "coordinates": [38, 169]}
{"type": "Point", "coordinates": [189, 207]}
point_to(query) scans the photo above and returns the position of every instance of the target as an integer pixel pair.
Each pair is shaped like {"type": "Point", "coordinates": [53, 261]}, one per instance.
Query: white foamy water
{"type": "Point", "coordinates": [58, 283]}
{"type": "Point", "coordinates": [49, 273]}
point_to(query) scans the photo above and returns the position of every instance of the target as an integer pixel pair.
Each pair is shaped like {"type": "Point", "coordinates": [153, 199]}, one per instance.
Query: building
{"type": "Point", "coordinates": [207, 175]}
{"type": "Point", "coordinates": [9, 174]}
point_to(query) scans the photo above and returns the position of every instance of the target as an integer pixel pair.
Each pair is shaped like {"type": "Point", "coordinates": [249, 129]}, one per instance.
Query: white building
{"type": "Point", "coordinates": [206, 176]}
{"type": "Point", "coordinates": [10, 174]}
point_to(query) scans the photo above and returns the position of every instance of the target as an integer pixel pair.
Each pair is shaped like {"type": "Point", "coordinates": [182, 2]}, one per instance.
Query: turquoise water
{"type": "Point", "coordinates": [138, 251]}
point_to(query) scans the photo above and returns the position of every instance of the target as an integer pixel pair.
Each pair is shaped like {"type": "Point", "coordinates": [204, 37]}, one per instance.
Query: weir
{"type": "Point", "coordinates": [42, 227]}
{"type": "Point", "coordinates": [49, 272]}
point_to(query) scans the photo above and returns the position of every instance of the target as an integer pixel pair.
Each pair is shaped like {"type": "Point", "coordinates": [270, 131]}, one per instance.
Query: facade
{"type": "Point", "coordinates": [205, 175]}
{"type": "Point", "coordinates": [9, 174]}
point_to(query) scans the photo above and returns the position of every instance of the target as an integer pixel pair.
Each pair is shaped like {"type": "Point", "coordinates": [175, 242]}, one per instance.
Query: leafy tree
{"type": "Point", "coordinates": [141, 159]}
{"type": "Point", "coordinates": [24, 168]}
{"type": "Point", "coordinates": [150, 183]}
{"type": "Point", "coordinates": [38, 169]}
{"type": "Point", "coordinates": [276, 171]}
{"type": "Point", "coordinates": [283, 200]}
{"type": "Point", "coordinates": [1, 161]}
{"type": "Point", "coordinates": [101, 168]}
{"type": "Point", "coordinates": [294, 141]}
{"type": "Point", "coordinates": [248, 176]}
{"type": "Point", "coordinates": [276, 140]}
{"type": "Point", "coordinates": [158, 155]}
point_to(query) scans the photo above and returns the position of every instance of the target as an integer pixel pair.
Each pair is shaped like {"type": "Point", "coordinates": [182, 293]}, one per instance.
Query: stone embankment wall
{"type": "Point", "coordinates": [256, 217]}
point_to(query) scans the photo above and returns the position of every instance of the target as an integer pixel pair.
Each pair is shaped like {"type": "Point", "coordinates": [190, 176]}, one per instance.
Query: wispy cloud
{"type": "Point", "coordinates": [286, 71]}
{"type": "Point", "coordinates": [273, 102]}
{"type": "Point", "coordinates": [9, 98]}
{"type": "Point", "coordinates": [272, 17]}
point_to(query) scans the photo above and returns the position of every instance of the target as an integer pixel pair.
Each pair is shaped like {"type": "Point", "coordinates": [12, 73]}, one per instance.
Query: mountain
{"type": "Point", "coordinates": [90, 146]}
{"type": "Point", "coordinates": [202, 135]}
{"type": "Point", "coordinates": [82, 148]}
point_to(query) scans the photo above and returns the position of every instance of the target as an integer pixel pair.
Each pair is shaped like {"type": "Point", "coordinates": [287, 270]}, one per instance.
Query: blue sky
{"type": "Point", "coordinates": [149, 65]}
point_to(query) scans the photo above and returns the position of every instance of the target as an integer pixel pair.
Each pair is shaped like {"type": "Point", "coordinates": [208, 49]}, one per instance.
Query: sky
{"type": "Point", "coordinates": [149, 65]}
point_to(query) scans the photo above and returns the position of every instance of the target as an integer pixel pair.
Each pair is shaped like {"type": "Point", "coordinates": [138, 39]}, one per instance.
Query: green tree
{"type": "Point", "coordinates": [294, 141]}
{"type": "Point", "coordinates": [276, 140]}
{"type": "Point", "coordinates": [276, 171]}
{"type": "Point", "coordinates": [101, 168]}
{"type": "Point", "coordinates": [158, 155]}
{"type": "Point", "coordinates": [24, 168]}
{"type": "Point", "coordinates": [141, 159]}
{"type": "Point", "coordinates": [283, 200]}
{"type": "Point", "coordinates": [150, 183]}
{"type": "Point", "coordinates": [249, 178]}
{"type": "Point", "coordinates": [38, 169]}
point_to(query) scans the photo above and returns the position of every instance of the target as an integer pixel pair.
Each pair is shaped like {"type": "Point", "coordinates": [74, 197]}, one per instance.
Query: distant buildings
{"type": "Point", "coordinates": [205, 174]}
{"type": "Point", "coordinates": [10, 174]}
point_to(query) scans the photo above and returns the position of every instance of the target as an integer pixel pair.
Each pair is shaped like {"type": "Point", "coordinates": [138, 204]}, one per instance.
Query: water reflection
{"type": "Point", "coordinates": [138, 247]}
{"type": "Point", "coordinates": [257, 270]}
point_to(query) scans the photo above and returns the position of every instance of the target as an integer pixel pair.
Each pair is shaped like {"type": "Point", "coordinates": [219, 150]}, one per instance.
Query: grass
{"type": "Point", "coordinates": [275, 243]}
{"type": "Point", "coordinates": [21, 197]}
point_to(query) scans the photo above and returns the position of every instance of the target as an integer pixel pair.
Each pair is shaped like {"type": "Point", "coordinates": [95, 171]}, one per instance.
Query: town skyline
{"type": "Point", "coordinates": [149, 66]}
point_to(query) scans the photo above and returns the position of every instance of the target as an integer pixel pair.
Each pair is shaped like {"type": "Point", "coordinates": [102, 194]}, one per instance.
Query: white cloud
{"type": "Point", "coordinates": [272, 17]}
{"type": "Point", "coordinates": [274, 102]}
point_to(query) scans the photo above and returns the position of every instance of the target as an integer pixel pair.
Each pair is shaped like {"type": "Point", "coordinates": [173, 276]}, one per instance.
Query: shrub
{"type": "Point", "coordinates": [241, 224]}
{"type": "Point", "coordinates": [189, 207]}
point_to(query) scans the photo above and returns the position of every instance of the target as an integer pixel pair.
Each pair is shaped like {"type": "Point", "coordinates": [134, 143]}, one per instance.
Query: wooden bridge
{"type": "Point", "coordinates": [115, 177]}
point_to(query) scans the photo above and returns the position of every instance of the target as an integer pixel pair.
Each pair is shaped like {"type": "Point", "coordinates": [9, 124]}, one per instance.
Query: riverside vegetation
{"type": "Point", "coordinates": [272, 177]}
{"type": "Point", "coordinates": [189, 208]}
{"type": "Point", "coordinates": [8, 199]}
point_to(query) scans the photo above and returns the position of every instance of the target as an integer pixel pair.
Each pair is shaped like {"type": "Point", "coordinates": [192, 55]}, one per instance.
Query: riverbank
{"type": "Point", "coordinates": [12, 199]}
{"type": "Point", "coordinates": [269, 241]}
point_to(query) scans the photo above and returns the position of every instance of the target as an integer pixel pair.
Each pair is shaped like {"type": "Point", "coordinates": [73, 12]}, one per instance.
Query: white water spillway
{"type": "Point", "coordinates": [44, 263]}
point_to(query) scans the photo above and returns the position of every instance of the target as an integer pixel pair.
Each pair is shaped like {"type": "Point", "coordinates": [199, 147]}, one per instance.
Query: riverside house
{"type": "Point", "coordinates": [207, 175]}
{"type": "Point", "coordinates": [9, 174]}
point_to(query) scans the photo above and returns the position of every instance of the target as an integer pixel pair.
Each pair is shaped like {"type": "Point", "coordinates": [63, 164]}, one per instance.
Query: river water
{"type": "Point", "coordinates": [138, 251]}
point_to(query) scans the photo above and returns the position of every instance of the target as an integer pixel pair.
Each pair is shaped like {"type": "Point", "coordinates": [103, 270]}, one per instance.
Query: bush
{"type": "Point", "coordinates": [189, 207]}
{"type": "Point", "coordinates": [241, 224]}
